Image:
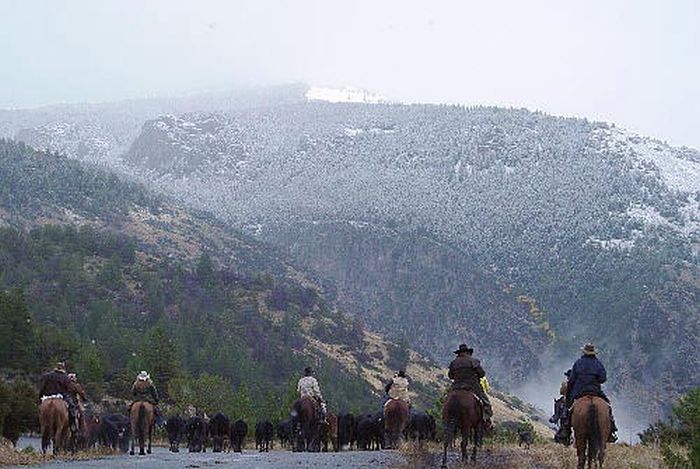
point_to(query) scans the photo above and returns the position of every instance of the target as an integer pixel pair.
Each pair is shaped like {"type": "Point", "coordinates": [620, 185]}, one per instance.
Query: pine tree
{"type": "Point", "coordinates": [243, 404]}
{"type": "Point", "coordinates": [89, 368]}
{"type": "Point", "coordinates": [159, 356]}
{"type": "Point", "coordinates": [17, 340]}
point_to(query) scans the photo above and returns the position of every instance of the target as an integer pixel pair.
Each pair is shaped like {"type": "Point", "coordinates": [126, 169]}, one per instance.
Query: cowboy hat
{"type": "Point", "coordinates": [588, 349]}
{"type": "Point", "coordinates": [143, 376]}
{"type": "Point", "coordinates": [463, 349]}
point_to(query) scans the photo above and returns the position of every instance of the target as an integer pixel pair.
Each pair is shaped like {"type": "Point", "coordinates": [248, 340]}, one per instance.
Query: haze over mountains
{"type": "Point", "coordinates": [521, 233]}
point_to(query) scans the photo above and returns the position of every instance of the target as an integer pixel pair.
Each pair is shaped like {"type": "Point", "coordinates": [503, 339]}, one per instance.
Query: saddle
{"type": "Point", "coordinates": [395, 399]}
{"type": "Point", "coordinates": [53, 396]}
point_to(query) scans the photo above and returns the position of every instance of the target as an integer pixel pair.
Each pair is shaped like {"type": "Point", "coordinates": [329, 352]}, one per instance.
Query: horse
{"type": "Point", "coordinates": [461, 410]}
{"type": "Point", "coordinates": [142, 419]}
{"type": "Point", "coordinates": [54, 424]}
{"type": "Point", "coordinates": [590, 419]}
{"type": "Point", "coordinates": [396, 415]}
{"type": "Point", "coordinates": [560, 410]}
{"type": "Point", "coordinates": [305, 423]}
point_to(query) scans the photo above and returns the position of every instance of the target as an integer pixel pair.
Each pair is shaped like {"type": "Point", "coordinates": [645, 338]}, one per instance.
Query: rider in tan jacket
{"type": "Point", "coordinates": [397, 388]}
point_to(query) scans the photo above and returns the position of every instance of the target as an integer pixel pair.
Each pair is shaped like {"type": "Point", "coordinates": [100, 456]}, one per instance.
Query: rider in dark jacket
{"type": "Point", "coordinates": [57, 382]}
{"type": "Point", "coordinates": [587, 376]}
{"type": "Point", "coordinates": [466, 373]}
{"type": "Point", "coordinates": [144, 390]}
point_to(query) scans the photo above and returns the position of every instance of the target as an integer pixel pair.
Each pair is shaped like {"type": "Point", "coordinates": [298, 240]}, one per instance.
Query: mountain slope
{"type": "Point", "coordinates": [103, 263]}
{"type": "Point", "coordinates": [589, 224]}
{"type": "Point", "coordinates": [593, 231]}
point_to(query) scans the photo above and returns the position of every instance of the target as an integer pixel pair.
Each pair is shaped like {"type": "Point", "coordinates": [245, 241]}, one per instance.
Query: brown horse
{"type": "Point", "coordinates": [142, 419]}
{"type": "Point", "coordinates": [590, 419]}
{"type": "Point", "coordinates": [305, 425]}
{"type": "Point", "coordinates": [54, 424]}
{"type": "Point", "coordinates": [395, 420]}
{"type": "Point", "coordinates": [461, 410]}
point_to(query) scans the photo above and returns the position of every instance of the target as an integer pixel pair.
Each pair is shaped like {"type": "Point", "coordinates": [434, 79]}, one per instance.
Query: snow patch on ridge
{"type": "Point", "coordinates": [347, 94]}
{"type": "Point", "coordinates": [677, 168]}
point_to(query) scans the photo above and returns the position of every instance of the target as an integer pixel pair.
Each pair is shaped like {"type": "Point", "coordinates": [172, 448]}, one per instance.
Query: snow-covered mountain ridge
{"type": "Point", "coordinates": [413, 214]}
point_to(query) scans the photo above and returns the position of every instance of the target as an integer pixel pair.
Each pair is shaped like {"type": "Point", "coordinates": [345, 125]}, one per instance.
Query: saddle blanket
{"type": "Point", "coordinates": [54, 396]}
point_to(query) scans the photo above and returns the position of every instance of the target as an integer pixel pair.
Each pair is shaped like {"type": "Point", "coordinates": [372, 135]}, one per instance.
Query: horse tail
{"type": "Point", "coordinates": [141, 424]}
{"type": "Point", "coordinates": [593, 431]}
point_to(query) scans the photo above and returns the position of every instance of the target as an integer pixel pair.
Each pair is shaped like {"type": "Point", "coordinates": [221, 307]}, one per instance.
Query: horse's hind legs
{"type": "Point", "coordinates": [150, 435]}
{"type": "Point", "coordinates": [449, 438]}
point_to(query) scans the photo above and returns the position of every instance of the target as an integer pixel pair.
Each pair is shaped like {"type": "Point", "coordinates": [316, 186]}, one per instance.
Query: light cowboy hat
{"type": "Point", "coordinates": [588, 349]}
{"type": "Point", "coordinates": [143, 376]}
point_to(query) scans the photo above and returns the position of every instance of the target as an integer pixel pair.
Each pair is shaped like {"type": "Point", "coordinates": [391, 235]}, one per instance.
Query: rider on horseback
{"type": "Point", "coordinates": [466, 373]}
{"type": "Point", "coordinates": [397, 388]}
{"type": "Point", "coordinates": [56, 383]}
{"type": "Point", "coordinates": [561, 411]}
{"type": "Point", "coordinates": [308, 387]}
{"type": "Point", "coordinates": [587, 376]}
{"type": "Point", "coordinates": [143, 390]}
{"type": "Point", "coordinates": [76, 394]}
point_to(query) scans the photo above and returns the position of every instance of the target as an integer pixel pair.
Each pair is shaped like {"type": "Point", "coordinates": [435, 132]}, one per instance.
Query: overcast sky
{"type": "Point", "coordinates": [636, 62]}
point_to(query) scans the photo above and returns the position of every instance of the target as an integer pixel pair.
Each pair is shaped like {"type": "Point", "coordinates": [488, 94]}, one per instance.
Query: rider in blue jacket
{"type": "Point", "coordinates": [587, 376]}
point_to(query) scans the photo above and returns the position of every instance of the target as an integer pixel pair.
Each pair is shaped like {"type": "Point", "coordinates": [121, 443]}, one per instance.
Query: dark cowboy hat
{"type": "Point", "coordinates": [463, 349]}
{"type": "Point", "coordinates": [588, 349]}
{"type": "Point", "coordinates": [308, 371]}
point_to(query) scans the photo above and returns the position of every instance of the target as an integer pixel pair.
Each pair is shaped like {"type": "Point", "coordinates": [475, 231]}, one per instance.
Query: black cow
{"type": "Point", "coordinates": [239, 430]}
{"type": "Point", "coordinates": [284, 432]}
{"type": "Point", "coordinates": [115, 432]}
{"type": "Point", "coordinates": [421, 427]}
{"type": "Point", "coordinates": [264, 433]}
{"type": "Point", "coordinates": [219, 427]}
{"type": "Point", "coordinates": [370, 431]}
{"type": "Point", "coordinates": [346, 431]}
{"type": "Point", "coordinates": [175, 427]}
{"type": "Point", "coordinates": [196, 428]}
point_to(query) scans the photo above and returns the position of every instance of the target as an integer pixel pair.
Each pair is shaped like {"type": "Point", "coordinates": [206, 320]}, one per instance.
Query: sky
{"type": "Point", "coordinates": [632, 62]}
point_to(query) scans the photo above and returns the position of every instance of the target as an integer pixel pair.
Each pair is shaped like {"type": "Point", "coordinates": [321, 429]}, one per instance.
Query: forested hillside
{"type": "Point", "coordinates": [523, 233]}
{"type": "Point", "coordinates": [110, 294]}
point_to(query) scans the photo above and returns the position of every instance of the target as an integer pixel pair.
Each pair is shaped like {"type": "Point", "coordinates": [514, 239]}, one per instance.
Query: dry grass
{"type": "Point", "coordinates": [540, 456]}
{"type": "Point", "coordinates": [10, 457]}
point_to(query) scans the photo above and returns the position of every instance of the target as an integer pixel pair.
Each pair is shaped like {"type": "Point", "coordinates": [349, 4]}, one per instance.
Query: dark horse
{"type": "Point", "coordinates": [305, 425]}
{"type": "Point", "coordinates": [590, 419]}
{"type": "Point", "coordinates": [461, 410]}
{"type": "Point", "coordinates": [141, 417]}
{"type": "Point", "coordinates": [53, 420]}
{"type": "Point", "coordinates": [396, 417]}
{"type": "Point", "coordinates": [560, 410]}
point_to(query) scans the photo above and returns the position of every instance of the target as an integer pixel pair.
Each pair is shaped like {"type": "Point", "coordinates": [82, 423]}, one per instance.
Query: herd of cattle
{"type": "Point", "coordinates": [342, 432]}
